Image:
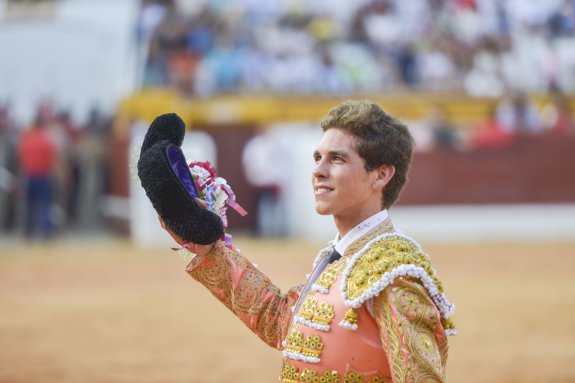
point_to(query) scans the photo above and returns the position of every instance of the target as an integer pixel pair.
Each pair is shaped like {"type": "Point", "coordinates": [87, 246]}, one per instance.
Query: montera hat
{"type": "Point", "coordinates": [168, 182]}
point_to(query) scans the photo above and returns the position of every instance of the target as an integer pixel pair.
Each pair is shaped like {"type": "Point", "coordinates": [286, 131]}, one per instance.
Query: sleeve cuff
{"type": "Point", "coordinates": [197, 260]}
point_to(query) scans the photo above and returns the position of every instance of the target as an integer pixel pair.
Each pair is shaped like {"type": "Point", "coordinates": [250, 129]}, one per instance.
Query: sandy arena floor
{"type": "Point", "coordinates": [108, 312]}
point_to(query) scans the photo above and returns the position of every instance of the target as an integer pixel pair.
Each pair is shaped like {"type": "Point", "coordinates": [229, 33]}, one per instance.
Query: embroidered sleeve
{"type": "Point", "coordinates": [411, 333]}
{"type": "Point", "coordinates": [247, 292]}
{"type": "Point", "coordinates": [384, 259]}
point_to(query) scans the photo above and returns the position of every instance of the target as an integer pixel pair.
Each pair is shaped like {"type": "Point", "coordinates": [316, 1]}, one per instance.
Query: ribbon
{"type": "Point", "coordinates": [210, 189]}
{"type": "Point", "coordinates": [185, 246]}
{"type": "Point", "coordinates": [231, 201]}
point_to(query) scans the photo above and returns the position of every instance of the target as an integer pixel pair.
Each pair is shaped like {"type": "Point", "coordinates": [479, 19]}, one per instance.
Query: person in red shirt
{"type": "Point", "coordinates": [491, 133]}
{"type": "Point", "coordinates": [37, 154]}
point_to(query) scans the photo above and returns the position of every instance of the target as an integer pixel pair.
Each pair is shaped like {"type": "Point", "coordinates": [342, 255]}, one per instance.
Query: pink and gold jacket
{"type": "Point", "coordinates": [378, 314]}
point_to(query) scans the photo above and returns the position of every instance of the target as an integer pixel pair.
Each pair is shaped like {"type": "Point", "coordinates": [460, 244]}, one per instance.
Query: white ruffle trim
{"type": "Point", "coordinates": [322, 253]}
{"type": "Point", "coordinates": [297, 356]}
{"type": "Point", "coordinates": [308, 323]}
{"type": "Point", "coordinates": [349, 326]}
{"type": "Point", "coordinates": [451, 332]}
{"type": "Point", "coordinates": [445, 307]}
{"type": "Point", "coordinates": [319, 289]}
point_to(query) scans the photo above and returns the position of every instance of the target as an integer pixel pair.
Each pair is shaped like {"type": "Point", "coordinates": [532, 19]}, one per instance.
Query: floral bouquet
{"type": "Point", "coordinates": [216, 193]}
{"type": "Point", "coordinates": [173, 186]}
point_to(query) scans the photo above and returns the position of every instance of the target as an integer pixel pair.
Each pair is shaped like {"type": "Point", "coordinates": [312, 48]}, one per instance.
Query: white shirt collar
{"type": "Point", "coordinates": [358, 231]}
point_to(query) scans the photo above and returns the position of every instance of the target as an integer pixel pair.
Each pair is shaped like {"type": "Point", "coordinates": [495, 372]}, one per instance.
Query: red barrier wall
{"type": "Point", "coordinates": [538, 169]}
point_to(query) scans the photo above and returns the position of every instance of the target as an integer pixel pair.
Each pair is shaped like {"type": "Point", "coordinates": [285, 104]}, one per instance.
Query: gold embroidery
{"type": "Point", "coordinates": [271, 327]}
{"type": "Point", "coordinates": [331, 377]}
{"type": "Point", "coordinates": [443, 351]}
{"type": "Point", "coordinates": [312, 346]}
{"type": "Point", "coordinates": [391, 342]}
{"type": "Point", "coordinates": [350, 318]}
{"type": "Point", "coordinates": [354, 377]}
{"type": "Point", "coordinates": [297, 346]}
{"type": "Point", "coordinates": [316, 314]}
{"type": "Point", "coordinates": [324, 313]}
{"type": "Point", "coordinates": [290, 374]}
{"type": "Point", "coordinates": [260, 303]}
{"type": "Point", "coordinates": [408, 333]}
{"type": "Point", "coordinates": [295, 341]}
{"type": "Point", "coordinates": [308, 376]}
{"type": "Point", "coordinates": [308, 308]}
{"type": "Point", "coordinates": [327, 278]}
{"type": "Point", "coordinates": [379, 380]}
{"type": "Point", "coordinates": [448, 324]}
{"type": "Point", "coordinates": [385, 227]}
{"type": "Point", "coordinates": [381, 258]}
{"type": "Point", "coordinates": [329, 275]}
{"type": "Point", "coordinates": [247, 296]}
{"type": "Point", "coordinates": [215, 273]}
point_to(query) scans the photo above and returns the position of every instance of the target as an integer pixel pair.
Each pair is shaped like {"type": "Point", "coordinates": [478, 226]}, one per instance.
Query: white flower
{"type": "Point", "coordinates": [200, 172]}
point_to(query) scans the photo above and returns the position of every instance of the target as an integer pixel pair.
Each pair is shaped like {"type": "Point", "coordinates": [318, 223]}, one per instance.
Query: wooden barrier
{"type": "Point", "coordinates": [535, 169]}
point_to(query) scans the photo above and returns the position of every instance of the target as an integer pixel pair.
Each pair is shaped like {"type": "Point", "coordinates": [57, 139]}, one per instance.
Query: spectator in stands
{"type": "Point", "coordinates": [445, 133]}
{"type": "Point", "coordinates": [375, 45]}
{"type": "Point", "coordinates": [562, 21]}
{"type": "Point", "coordinates": [168, 39]}
{"type": "Point", "coordinates": [38, 156]}
{"type": "Point", "coordinates": [407, 65]}
{"type": "Point", "coordinates": [557, 115]}
{"type": "Point", "coordinates": [490, 133]}
{"type": "Point", "coordinates": [151, 15]}
{"type": "Point", "coordinates": [484, 77]}
{"type": "Point", "coordinates": [518, 115]}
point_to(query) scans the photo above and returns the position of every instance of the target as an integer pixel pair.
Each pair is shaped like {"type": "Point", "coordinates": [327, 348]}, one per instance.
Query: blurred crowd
{"type": "Point", "coordinates": [484, 48]}
{"type": "Point", "coordinates": [509, 117]}
{"type": "Point", "coordinates": [52, 171]}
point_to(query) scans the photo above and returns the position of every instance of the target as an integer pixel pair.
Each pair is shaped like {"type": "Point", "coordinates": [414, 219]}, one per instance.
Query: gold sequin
{"type": "Point", "coordinates": [324, 313]}
{"type": "Point", "coordinates": [350, 317]}
{"type": "Point", "coordinates": [308, 308]}
{"type": "Point", "coordinates": [295, 341]}
{"type": "Point", "coordinates": [312, 346]}
{"type": "Point", "coordinates": [318, 313]}
{"type": "Point", "coordinates": [329, 275]}
{"type": "Point", "coordinates": [309, 347]}
{"type": "Point", "coordinates": [353, 377]}
{"type": "Point", "coordinates": [381, 258]}
{"type": "Point", "coordinates": [290, 374]}
{"type": "Point", "coordinates": [311, 376]}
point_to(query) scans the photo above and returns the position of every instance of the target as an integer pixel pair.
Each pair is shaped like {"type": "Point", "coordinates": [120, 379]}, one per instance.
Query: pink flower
{"type": "Point", "coordinates": [205, 165]}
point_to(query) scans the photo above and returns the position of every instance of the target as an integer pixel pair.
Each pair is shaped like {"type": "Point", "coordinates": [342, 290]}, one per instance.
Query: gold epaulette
{"type": "Point", "coordinates": [385, 258]}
